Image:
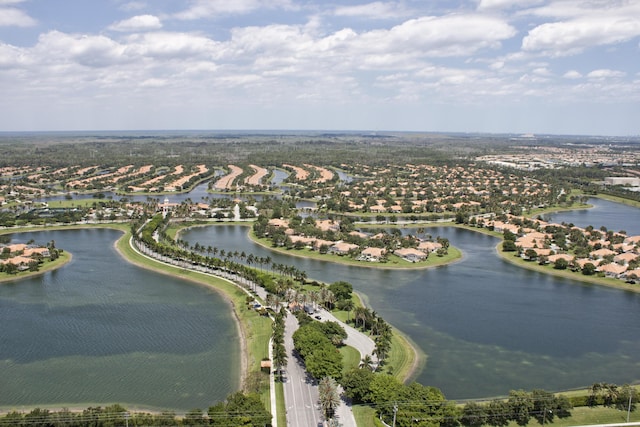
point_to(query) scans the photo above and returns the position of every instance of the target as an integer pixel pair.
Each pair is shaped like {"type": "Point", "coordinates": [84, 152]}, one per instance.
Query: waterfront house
{"type": "Point", "coordinates": [411, 254]}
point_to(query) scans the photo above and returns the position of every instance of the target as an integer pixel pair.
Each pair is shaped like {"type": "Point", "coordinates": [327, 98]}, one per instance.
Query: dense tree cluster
{"type": "Point", "coordinates": [316, 343]}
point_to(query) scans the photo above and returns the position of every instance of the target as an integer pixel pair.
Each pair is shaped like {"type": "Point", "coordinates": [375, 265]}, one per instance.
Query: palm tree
{"type": "Point", "coordinates": [348, 306]}
{"type": "Point", "coordinates": [328, 396]}
{"type": "Point", "coordinates": [367, 362]}
{"type": "Point", "coordinates": [359, 314]}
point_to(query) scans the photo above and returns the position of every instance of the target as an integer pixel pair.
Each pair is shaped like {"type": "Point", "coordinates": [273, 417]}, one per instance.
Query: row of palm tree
{"type": "Point", "coordinates": [379, 329]}
{"type": "Point", "coordinates": [279, 353]}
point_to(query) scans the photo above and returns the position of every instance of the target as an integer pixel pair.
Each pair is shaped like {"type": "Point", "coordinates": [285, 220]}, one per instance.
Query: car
{"type": "Point", "coordinates": [317, 316]}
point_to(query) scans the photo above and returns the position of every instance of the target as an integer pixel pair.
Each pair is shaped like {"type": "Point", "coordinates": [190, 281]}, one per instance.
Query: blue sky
{"type": "Point", "coordinates": [498, 66]}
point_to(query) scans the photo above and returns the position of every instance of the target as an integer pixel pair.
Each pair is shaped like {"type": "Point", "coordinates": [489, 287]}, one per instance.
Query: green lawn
{"type": "Point", "coordinates": [350, 358]}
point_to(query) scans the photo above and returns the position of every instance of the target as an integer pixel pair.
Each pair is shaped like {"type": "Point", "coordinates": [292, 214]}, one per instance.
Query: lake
{"type": "Point", "coordinates": [100, 330]}
{"type": "Point", "coordinates": [486, 325]}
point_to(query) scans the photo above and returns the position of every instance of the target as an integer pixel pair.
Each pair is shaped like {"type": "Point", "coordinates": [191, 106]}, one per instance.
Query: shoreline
{"type": "Point", "coordinates": [227, 297]}
{"type": "Point", "coordinates": [240, 327]}
{"type": "Point", "coordinates": [67, 257]}
{"type": "Point", "coordinates": [455, 257]}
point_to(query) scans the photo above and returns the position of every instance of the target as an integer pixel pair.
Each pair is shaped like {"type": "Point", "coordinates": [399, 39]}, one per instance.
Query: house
{"type": "Point", "coordinates": [278, 222]}
{"type": "Point", "coordinates": [625, 258]}
{"type": "Point", "coordinates": [372, 254]}
{"type": "Point", "coordinates": [327, 225]}
{"type": "Point", "coordinates": [319, 242]}
{"type": "Point", "coordinates": [601, 253]}
{"type": "Point", "coordinates": [556, 257]}
{"type": "Point", "coordinates": [612, 269]}
{"type": "Point", "coordinates": [429, 247]}
{"type": "Point", "coordinates": [44, 252]}
{"type": "Point", "coordinates": [342, 248]}
{"type": "Point", "coordinates": [20, 261]}
{"type": "Point", "coordinates": [411, 254]}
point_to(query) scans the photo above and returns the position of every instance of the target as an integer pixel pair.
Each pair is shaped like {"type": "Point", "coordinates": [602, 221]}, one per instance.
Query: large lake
{"type": "Point", "coordinates": [100, 330]}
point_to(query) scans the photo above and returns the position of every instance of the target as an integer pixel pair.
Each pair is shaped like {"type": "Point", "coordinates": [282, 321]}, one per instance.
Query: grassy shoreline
{"type": "Point", "coordinates": [63, 258]}
{"type": "Point", "coordinates": [254, 330]}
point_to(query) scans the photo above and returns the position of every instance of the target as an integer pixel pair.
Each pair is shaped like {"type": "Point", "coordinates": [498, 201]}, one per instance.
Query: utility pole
{"type": "Point", "coordinates": [395, 411]}
{"type": "Point", "coordinates": [629, 407]}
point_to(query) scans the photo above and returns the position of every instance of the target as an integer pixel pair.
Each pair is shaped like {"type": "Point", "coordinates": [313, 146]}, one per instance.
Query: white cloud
{"type": "Point", "coordinates": [137, 23]}
{"type": "Point", "coordinates": [572, 74]}
{"type": "Point", "coordinates": [171, 45]}
{"type": "Point", "coordinates": [450, 35]}
{"type": "Point", "coordinates": [375, 10]}
{"type": "Point", "coordinates": [90, 51]}
{"type": "Point", "coordinates": [506, 4]}
{"type": "Point", "coordinates": [12, 57]}
{"type": "Point", "coordinates": [133, 5]}
{"type": "Point", "coordinates": [12, 17]}
{"type": "Point", "coordinates": [154, 83]}
{"type": "Point", "coordinates": [605, 73]}
{"type": "Point", "coordinates": [201, 9]}
{"type": "Point", "coordinates": [582, 25]}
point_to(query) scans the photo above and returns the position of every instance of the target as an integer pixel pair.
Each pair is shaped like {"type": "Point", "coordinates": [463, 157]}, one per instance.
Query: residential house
{"type": "Point", "coordinates": [342, 248]}
{"type": "Point", "coordinates": [372, 254]}
{"type": "Point", "coordinates": [411, 254]}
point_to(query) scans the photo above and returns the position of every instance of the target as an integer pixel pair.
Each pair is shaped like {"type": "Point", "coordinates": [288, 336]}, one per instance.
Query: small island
{"type": "Point", "coordinates": [21, 260]}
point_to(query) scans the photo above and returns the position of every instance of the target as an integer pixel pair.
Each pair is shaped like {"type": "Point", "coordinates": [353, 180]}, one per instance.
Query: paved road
{"type": "Point", "coordinates": [300, 392]}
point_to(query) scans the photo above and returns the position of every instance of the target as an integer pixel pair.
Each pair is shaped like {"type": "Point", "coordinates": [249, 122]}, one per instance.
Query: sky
{"type": "Point", "coordinates": [494, 66]}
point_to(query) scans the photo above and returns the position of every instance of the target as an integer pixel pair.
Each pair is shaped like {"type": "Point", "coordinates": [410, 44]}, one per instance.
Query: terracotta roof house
{"type": "Point", "coordinates": [625, 258]}
{"type": "Point", "coordinates": [327, 224]}
{"type": "Point", "coordinates": [342, 248]}
{"type": "Point", "coordinates": [634, 240]}
{"type": "Point", "coordinates": [411, 254]}
{"type": "Point", "coordinates": [21, 261]}
{"type": "Point", "coordinates": [612, 269]}
{"type": "Point", "coordinates": [372, 254]}
{"type": "Point", "coordinates": [635, 273]}
{"type": "Point", "coordinates": [278, 222]}
{"type": "Point", "coordinates": [16, 247]}
{"type": "Point", "coordinates": [359, 234]}
{"type": "Point", "coordinates": [601, 253]}
{"type": "Point", "coordinates": [555, 257]}
{"type": "Point", "coordinates": [583, 261]}
{"type": "Point", "coordinates": [429, 246]}
{"type": "Point", "coordinates": [42, 251]}
{"type": "Point", "coordinates": [320, 242]}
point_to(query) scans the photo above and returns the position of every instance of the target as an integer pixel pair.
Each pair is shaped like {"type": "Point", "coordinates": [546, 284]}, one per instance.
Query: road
{"type": "Point", "coordinates": [300, 391]}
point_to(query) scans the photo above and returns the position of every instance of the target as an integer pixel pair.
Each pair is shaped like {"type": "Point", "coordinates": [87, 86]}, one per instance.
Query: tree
{"type": "Point", "coordinates": [324, 361]}
{"type": "Point", "coordinates": [239, 410]}
{"type": "Point", "coordinates": [328, 396]}
{"type": "Point", "coordinates": [194, 418]}
{"type": "Point", "coordinates": [520, 406]}
{"type": "Point", "coordinates": [356, 383]}
{"type": "Point", "coordinates": [589, 269]}
{"type": "Point", "coordinates": [561, 264]}
{"type": "Point", "coordinates": [473, 415]}
{"type": "Point", "coordinates": [509, 246]}
{"type": "Point", "coordinates": [497, 413]}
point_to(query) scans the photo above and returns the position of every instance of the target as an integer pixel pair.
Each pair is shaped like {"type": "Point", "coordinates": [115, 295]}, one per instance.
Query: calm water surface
{"type": "Point", "coordinates": [486, 325]}
{"type": "Point", "coordinates": [102, 330]}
